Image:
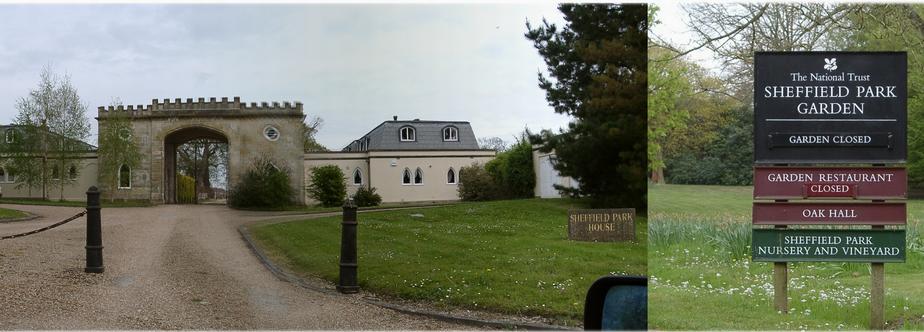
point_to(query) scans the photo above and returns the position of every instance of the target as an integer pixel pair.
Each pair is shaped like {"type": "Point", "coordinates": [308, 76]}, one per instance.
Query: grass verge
{"type": "Point", "coordinates": [699, 262]}
{"type": "Point", "coordinates": [105, 203]}
{"type": "Point", "coordinates": [506, 256]}
{"type": "Point", "coordinates": [7, 214]}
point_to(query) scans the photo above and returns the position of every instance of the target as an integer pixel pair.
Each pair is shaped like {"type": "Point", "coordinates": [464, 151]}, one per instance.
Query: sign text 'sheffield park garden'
{"type": "Point", "coordinates": [830, 108]}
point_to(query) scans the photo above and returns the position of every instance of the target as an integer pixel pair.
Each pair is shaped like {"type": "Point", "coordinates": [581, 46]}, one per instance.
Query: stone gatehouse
{"type": "Point", "coordinates": [404, 160]}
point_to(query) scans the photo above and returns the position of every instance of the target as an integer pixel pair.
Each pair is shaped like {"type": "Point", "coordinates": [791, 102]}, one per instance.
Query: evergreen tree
{"type": "Point", "coordinates": [597, 65]}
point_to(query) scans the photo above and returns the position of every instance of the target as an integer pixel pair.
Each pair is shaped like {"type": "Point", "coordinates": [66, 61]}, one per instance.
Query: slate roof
{"type": "Point", "coordinates": [386, 136]}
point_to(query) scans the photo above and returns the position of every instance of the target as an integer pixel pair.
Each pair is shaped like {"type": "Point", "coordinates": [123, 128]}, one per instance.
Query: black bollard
{"type": "Point", "coordinates": [94, 233]}
{"type": "Point", "coordinates": [348, 283]}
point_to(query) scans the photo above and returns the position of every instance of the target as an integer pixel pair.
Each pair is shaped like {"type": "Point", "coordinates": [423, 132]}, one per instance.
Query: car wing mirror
{"type": "Point", "coordinates": [617, 303]}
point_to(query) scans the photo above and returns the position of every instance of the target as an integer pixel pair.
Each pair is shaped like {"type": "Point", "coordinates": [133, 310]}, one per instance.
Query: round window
{"type": "Point", "coordinates": [271, 133]}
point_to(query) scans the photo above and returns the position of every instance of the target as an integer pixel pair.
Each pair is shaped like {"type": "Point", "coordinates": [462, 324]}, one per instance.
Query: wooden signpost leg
{"type": "Point", "coordinates": [780, 285]}
{"type": "Point", "coordinates": [877, 298]}
{"type": "Point", "coordinates": [877, 294]}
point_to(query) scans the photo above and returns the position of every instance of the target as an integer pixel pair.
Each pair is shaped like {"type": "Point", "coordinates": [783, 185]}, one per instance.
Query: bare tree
{"type": "Point", "coordinates": [735, 31]}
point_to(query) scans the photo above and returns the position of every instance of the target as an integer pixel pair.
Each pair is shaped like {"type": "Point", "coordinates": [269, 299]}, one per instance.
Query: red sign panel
{"type": "Point", "coordinates": [829, 214]}
{"type": "Point", "coordinates": [830, 182]}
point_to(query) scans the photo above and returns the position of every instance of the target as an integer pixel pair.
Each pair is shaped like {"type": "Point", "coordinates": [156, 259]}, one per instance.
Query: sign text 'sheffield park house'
{"type": "Point", "coordinates": [830, 109]}
{"type": "Point", "coordinates": [601, 225]}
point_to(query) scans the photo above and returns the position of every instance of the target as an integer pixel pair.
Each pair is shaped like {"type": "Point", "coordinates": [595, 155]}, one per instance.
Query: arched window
{"type": "Point", "coordinates": [10, 136]}
{"type": "Point", "coordinates": [72, 172]}
{"type": "Point", "coordinates": [418, 176]}
{"type": "Point", "coordinates": [125, 177]}
{"type": "Point", "coordinates": [408, 134]}
{"type": "Point", "coordinates": [406, 178]}
{"type": "Point", "coordinates": [451, 176]}
{"type": "Point", "coordinates": [3, 175]}
{"type": "Point", "coordinates": [55, 173]}
{"type": "Point", "coordinates": [450, 134]}
{"type": "Point", "coordinates": [357, 177]}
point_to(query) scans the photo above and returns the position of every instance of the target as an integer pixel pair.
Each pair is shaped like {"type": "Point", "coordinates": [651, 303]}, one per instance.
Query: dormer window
{"type": "Point", "coordinates": [408, 134]}
{"type": "Point", "coordinates": [450, 134]}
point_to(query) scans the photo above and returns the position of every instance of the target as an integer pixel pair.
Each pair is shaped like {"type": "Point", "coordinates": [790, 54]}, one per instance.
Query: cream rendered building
{"type": "Point", "coordinates": [406, 161]}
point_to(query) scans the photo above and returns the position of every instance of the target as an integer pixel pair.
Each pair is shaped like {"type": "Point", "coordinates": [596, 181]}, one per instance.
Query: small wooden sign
{"type": "Point", "coordinates": [829, 213]}
{"type": "Point", "coordinates": [601, 225]}
{"type": "Point", "coordinates": [830, 182]}
{"type": "Point", "coordinates": [828, 245]}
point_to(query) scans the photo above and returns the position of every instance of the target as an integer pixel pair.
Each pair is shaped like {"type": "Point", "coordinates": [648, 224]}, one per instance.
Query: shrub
{"type": "Point", "coordinates": [509, 175]}
{"type": "Point", "coordinates": [476, 184]}
{"type": "Point", "coordinates": [263, 186]}
{"type": "Point", "coordinates": [327, 185]}
{"type": "Point", "coordinates": [366, 197]}
{"type": "Point", "coordinates": [185, 189]}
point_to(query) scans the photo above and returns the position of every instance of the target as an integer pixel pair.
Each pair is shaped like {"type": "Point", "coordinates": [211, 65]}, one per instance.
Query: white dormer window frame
{"type": "Point", "coordinates": [450, 134]}
{"type": "Point", "coordinates": [407, 134]}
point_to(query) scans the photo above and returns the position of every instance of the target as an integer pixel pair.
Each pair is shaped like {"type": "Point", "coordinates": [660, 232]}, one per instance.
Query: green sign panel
{"type": "Point", "coordinates": [828, 245]}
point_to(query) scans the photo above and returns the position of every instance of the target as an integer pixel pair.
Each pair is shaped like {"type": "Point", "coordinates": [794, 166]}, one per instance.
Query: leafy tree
{"type": "Point", "coordinates": [117, 146]}
{"type": "Point", "coordinates": [597, 66]}
{"type": "Point", "coordinates": [668, 86]}
{"type": "Point", "coordinates": [205, 160]}
{"type": "Point", "coordinates": [327, 185]}
{"type": "Point", "coordinates": [53, 126]}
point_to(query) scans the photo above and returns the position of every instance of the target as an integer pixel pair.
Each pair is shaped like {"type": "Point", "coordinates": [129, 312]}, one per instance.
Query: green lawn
{"type": "Point", "coordinates": [55, 202]}
{"type": "Point", "coordinates": [699, 258]}
{"type": "Point", "coordinates": [505, 256]}
{"type": "Point", "coordinates": [6, 214]}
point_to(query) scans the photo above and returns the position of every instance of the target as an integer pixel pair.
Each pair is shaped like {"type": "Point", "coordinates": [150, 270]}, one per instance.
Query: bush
{"type": "Point", "coordinates": [327, 185]}
{"type": "Point", "coordinates": [185, 189]}
{"type": "Point", "coordinates": [476, 184]}
{"type": "Point", "coordinates": [366, 197]}
{"type": "Point", "coordinates": [263, 186]}
{"type": "Point", "coordinates": [513, 172]}
{"type": "Point", "coordinates": [509, 175]}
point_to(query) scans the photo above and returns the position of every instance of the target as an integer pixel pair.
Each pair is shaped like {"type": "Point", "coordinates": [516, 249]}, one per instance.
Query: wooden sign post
{"type": "Point", "coordinates": [829, 109]}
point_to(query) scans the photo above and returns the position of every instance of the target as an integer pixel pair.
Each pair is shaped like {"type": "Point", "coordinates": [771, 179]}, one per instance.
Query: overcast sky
{"type": "Point", "coordinates": [674, 28]}
{"type": "Point", "coordinates": [354, 65]}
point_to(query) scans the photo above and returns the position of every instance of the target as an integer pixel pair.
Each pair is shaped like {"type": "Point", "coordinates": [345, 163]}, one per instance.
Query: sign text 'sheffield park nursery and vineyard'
{"type": "Point", "coordinates": [830, 109]}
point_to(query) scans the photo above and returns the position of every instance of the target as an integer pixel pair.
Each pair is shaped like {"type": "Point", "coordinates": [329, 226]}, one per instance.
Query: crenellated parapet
{"type": "Point", "coordinates": [213, 107]}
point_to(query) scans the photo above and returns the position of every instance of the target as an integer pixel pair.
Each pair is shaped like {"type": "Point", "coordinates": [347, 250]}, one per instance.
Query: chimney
{"type": "Point", "coordinates": [394, 117]}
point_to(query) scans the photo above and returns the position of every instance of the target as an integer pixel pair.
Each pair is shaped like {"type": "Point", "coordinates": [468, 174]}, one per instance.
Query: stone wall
{"type": "Point", "coordinates": [241, 125]}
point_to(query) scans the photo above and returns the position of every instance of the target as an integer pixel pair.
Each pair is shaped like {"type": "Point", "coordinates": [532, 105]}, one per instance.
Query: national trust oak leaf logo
{"type": "Point", "coordinates": [831, 64]}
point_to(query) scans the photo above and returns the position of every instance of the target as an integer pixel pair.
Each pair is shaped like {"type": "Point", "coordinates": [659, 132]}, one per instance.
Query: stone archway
{"type": "Point", "coordinates": [251, 130]}
{"type": "Point", "coordinates": [175, 139]}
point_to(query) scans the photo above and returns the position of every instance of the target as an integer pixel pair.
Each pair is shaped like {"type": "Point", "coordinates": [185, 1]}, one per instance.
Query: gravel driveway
{"type": "Point", "coordinates": [167, 267]}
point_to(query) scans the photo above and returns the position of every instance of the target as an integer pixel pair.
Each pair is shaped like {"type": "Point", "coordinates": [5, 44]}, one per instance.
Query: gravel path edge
{"type": "Point", "coordinates": [284, 275]}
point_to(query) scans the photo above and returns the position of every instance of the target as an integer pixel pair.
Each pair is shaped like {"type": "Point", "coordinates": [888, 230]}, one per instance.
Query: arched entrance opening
{"type": "Point", "coordinates": [196, 167]}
